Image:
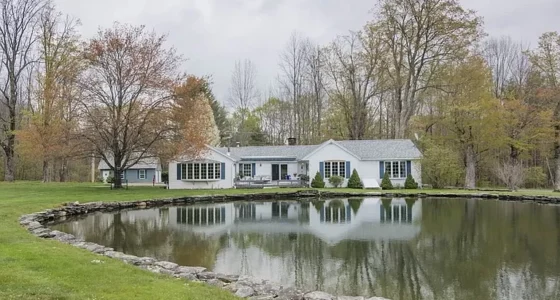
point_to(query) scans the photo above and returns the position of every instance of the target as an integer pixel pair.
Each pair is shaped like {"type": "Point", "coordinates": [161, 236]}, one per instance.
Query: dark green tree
{"type": "Point", "coordinates": [318, 181]}
{"type": "Point", "coordinates": [355, 182]}
{"type": "Point", "coordinates": [386, 183]}
{"type": "Point", "coordinates": [410, 183]}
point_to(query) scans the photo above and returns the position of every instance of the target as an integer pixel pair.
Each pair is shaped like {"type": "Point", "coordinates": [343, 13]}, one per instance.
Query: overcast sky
{"type": "Point", "coordinates": [213, 34]}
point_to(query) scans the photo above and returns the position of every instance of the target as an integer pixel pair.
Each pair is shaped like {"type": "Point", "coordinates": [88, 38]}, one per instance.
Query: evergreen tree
{"type": "Point", "coordinates": [355, 182]}
{"type": "Point", "coordinates": [318, 181]}
{"type": "Point", "coordinates": [386, 183]}
{"type": "Point", "coordinates": [410, 183]}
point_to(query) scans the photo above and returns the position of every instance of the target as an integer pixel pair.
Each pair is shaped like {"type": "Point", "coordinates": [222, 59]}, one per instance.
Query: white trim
{"type": "Point", "coordinates": [330, 142]}
{"type": "Point", "coordinates": [220, 153]}
{"type": "Point", "coordinates": [140, 174]}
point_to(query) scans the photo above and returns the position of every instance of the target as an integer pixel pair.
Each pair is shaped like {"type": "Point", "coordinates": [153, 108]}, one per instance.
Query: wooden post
{"type": "Point", "coordinates": [92, 168]}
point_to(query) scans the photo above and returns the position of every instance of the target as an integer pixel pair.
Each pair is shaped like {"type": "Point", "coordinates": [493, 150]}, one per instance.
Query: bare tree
{"type": "Point", "coordinates": [59, 65]}
{"type": "Point", "coordinates": [243, 90]}
{"type": "Point", "coordinates": [18, 24]}
{"type": "Point", "coordinates": [293, 65]}
{"type": "Point", "coordinates": [315, 78]}
{"type": "Point", "coordinates": [128, 91]}
{"type": "Point", "coordinates": [512, 174]}
{"type": "Point", "coordinates": [353, 70]}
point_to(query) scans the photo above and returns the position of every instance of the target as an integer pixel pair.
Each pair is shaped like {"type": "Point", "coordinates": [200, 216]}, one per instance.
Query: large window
{"type": "Point", "coordinates": [201, 171]}
{"type": "Point", "coordinates": [247, 170]}
{"type": "Point", "coordinates": [396, 169]}
{"type": "Point", "coordinates": [335, 168]}
{"type": "Point", "coordinates": [142, 174]}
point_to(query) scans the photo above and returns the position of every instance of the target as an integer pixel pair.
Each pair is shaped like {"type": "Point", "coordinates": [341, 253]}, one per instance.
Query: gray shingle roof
{"type": "Point", "coordinates": [364, 149]}
{"type": "Point", "coordinates": [382, 149]}
{"type": "Point", "coordinates": [145, 163]}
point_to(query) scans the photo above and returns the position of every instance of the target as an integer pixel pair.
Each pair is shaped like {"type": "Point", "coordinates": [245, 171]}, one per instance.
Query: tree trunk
{"type": "Point", "coordinates": [46, 177]}
{"type": "Point", "coordinates": [9, 171]}
{"type": "Point", "coordinates": [117, 184]}
{"type": "Point", "coordinates": [63, 170]}
{"type": "Point", "coordinates": [470, 163]}
{"type": "Point", "coordinates": [557, 157]}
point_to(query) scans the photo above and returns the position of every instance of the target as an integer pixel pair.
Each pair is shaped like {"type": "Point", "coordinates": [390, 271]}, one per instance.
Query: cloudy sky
{"type": "Point", "coordinates": [213, 34]}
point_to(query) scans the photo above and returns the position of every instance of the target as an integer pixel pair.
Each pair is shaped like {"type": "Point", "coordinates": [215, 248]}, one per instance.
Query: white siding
{"type": "Point", "coordinates": [227, 183]}
{"type": "Point", "coordinates": [332, 152]}
{"type": "Point", "coordinates": [366, 169]}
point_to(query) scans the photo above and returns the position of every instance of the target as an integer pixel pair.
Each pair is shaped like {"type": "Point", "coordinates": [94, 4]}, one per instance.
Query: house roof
{"type": "Point", "coordinates": [260, 152]}
{"type": "Point", "coordinates": [363, 149]}
{"type": "Point", "coordinates": [145, 163]}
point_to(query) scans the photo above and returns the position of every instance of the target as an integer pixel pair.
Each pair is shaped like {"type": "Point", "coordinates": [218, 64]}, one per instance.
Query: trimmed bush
{"type": "Point", "coordinates": [410, 183]}
{"type": "Point", "coordinates": [318, 182]}
{"type": "Point", "coordinates": [336, 181]}
{"type": "Point", "coordinates": [386, 183]}
{"type": "Point", "coordinates": [355, 182]}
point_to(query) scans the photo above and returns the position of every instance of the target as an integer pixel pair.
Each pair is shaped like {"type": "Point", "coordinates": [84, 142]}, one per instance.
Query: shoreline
{"type": "Point", "coordinates": [241, 286]}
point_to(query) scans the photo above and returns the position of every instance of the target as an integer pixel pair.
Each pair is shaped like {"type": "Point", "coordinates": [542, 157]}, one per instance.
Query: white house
{"type": "Point", "coordinates": [219, 167]}
{"type": "Point", "coordinates": [147, 170]}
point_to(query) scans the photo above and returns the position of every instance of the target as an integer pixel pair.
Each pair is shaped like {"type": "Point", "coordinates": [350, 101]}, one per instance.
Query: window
{"type": "Point", "coordinates": [335, 168]}
{"type": "Point", "coordinates": [247, 170]}
{"type": "Point", "coordinates": [217, 171]}
{"type": "Point", "coordinates": [122, 174]}
{"type": "Point", "coordinates": [396, 169]}
{"type": "Point", "coordinates": [201, 171]}
{"type": "Point", "coordinates": [211, 171]}
{"type": "Point", "coordinates": [141, 174]}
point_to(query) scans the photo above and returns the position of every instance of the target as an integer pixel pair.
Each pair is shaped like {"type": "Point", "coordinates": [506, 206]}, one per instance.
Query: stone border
{"type": "Point", "coordinates": [242, 286]}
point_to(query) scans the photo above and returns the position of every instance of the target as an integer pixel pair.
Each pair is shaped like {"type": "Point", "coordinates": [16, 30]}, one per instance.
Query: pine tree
{"type": "Point", "coordinates": [355, 182]}
{"type": "Point", "coordinates": [410, 183]}
{"type": "Point", "coordinates": [386, 183]}
{"type": "Point", "coordinates": [318, 181]}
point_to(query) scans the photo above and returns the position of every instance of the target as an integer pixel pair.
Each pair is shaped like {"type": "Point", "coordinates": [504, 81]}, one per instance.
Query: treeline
{"type": "Point", "coordinates": [484, 110]}
{"type": "Point", "coordinates": [68, 102]}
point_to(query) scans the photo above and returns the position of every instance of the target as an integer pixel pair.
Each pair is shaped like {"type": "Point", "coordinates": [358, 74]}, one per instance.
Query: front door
{"type": "Point", "coordinates": [275, 172]}
{"type": "Point", "coordinates": [284, 172]}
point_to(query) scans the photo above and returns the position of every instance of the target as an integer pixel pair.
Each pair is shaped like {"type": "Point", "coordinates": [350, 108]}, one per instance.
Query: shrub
{"type": "Point", "coordinates": [512, 174]}
{"type": "Point", "coordinates": [165, 177]}
{"type": "Point", "coordinates": [336, 181]}
{"type": "Point", "coordinates": [386, 183]}
{"type": "Point", "coordinates": [535, 177]}
{"type": "Point", "coordinates": [318, 181]}
{"type": "Point", "coordinates": [355, 182]}
{"type": "Point", "coordinates": [110, 179]}
{"type": "Point", "coordinates": [304, 178]}
{"type": "Point", "coordinates": [410, 183]}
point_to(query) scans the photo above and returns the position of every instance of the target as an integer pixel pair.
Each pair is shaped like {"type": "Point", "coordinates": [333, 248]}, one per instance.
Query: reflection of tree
{"type": "Point", "coordinates": [318, 204]}
{"type": "Point", "coordinates": [466, 249]}
{"type": "Point", "coordinates": [355, 204]}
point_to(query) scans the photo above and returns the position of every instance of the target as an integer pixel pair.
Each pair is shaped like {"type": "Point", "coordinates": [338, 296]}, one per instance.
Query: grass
{"type": "Point", "coordinates": [33, 268]}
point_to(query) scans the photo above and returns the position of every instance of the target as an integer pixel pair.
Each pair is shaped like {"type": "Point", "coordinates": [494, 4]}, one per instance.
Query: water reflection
{"type": "Point", "coordinates": [397, 248]}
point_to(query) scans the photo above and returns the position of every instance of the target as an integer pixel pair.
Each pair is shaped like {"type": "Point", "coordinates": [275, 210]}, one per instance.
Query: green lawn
{"type": "Point", "coordinates": [32, 268]}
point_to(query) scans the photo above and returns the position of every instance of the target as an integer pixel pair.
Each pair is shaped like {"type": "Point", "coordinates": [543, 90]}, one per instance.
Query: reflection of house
{"type": "Point", "coordinates": [218, 167]}
{"type": "Point", "coordinates": [332, 221]}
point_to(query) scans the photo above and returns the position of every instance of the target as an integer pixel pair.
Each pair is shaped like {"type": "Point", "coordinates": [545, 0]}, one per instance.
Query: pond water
{"type": "Point", "coordinates": [395, 248]}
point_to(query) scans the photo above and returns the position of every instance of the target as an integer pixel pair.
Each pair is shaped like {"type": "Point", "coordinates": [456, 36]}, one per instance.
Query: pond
{"type": "Point", "coordinates": [395, 248]}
